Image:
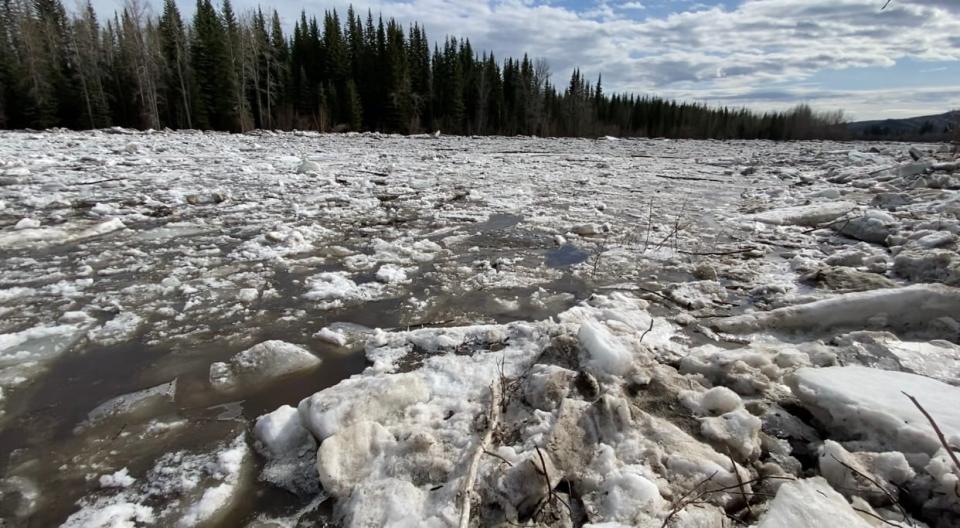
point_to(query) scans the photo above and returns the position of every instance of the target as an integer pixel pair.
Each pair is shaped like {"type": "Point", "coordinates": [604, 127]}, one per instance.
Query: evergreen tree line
{"type": "Point", "coordinates": [224, 71]}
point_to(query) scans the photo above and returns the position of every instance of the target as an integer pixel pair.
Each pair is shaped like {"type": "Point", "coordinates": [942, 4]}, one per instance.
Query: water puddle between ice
{"type": "Point", "coordinates": [499, 222]}
{"type": "Point", "coordinates": [565, 255]}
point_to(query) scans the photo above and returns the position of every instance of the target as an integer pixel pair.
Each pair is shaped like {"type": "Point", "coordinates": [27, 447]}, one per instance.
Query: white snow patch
{"type": "Point", "coordinates": [606, 354]}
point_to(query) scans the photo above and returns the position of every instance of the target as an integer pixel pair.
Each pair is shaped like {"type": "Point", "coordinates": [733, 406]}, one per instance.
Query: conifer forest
{"type": "Point", "coordinates": [231, 71]}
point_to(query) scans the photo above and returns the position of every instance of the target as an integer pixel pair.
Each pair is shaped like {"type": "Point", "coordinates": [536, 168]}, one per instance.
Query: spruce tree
{"type": "Point", "coordinates": [53, 93]}
{"type": "Point", "coordinates": [176, 76]}
{"type": "Point", "coordinates": [354, 107]}
{"type": "Point", "coordinates": [215, 103]}
{"type": "Point", "coordinates": [278, 75]}
{"type": "Point", "coordinates": [9, 70]}
{"type": "Point", "coordinates": [237, 56]}
{"type": "Point", "coordinates": [88, 57]}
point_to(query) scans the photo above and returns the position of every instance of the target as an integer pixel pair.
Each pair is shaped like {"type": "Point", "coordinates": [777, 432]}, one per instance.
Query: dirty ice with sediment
{"type": "Point", "coordinates": [293, 329]}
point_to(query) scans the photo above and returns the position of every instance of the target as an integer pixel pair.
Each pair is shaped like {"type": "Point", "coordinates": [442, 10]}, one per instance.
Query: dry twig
{"type": "Point", "coordinates": [647, 331]}
{"type": "Point", "coordinates": [682, 501]}
{"type": "Point", "coordinates": [493, 421]}
{"type": "Point", "coordinates": [717, 253]}
{"type": "Point", "coordinates": [494, 455]}
{"type": "Point", "coordinates": [686, 500]}
{"type": "Point", "coordinates": [743, 490]}
{"type": "Point", "coordinates": [893, 499]}
{"type": "Point", "coordinates": [940, 436]}
{"type": "Point", "coordinates": [875, 516]}
{"type": "Point", "coordinates": [551, 497]}
{"type": "Point", "coordinates": [596, 259]}
{"type": "Point", "coordinates": [646, 241]}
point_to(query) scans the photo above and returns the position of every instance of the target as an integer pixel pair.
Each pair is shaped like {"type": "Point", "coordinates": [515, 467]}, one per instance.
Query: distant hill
{"type": "Point", "coordinates": [924, 128]}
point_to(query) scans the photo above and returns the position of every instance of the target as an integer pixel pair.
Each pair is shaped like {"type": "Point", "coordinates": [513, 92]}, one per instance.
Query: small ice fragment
{"type": "Point", "coordinates": [120, 479]}
{"type": "Point", "coordinates": [331, 336]}
{"type": "Point", "coordinates": [27, 223]}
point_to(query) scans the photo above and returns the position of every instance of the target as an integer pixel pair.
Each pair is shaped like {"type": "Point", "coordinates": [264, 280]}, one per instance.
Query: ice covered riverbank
{"type": "Point", "coordinates": [280, 329]}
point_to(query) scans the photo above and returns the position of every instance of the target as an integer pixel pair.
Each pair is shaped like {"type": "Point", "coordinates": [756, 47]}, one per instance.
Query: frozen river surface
{"type": "Point", "coordinates": [159, 292]}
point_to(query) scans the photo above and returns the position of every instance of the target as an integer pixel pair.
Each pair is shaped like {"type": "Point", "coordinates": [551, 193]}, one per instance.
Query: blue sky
{"type": "Point", "coordinates": [763, 54]}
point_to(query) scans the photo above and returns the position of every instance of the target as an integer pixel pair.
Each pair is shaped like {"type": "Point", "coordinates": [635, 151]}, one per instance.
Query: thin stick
{"type": "Point", "coordinates": [491, 453]}
{"type": "Point", "coordinates": [685, 501]}
{"type": "Point", "coordinates": [648, 330]}
{"type": "Point", "coordinates": [751, 481]}
{"type": "Point", "coordinates": [664, 297]}
{"type": "Point", "coordinates": [717, 253]}
{"type": "Point", "coordinates": [98, 181]}
{"type": "Point", "coordinates": [689, 178]}
{"type": "Point", "coordinates": [375, 173]}
{"type": "Point", "coordinates": [672, 234]}
{"type": "Point", "coordinates": [845, 219]}
{"type": "Point", "coordinates": [646, 242]}
{"type": "Point", "coordinates": [875, 516]}
{"type": "Point", "coordinates": [600, 249]}
{"type": "Point", "coordinates": [743, 489]}
{"type": "Point", "coordinates": [676, 228]}
{"type": "Point", "coordinates": [894, 500]}
{"type": "Point", "coordinates": [681, 504]}
{"type": "Point", "coordinates": [943, 439]}
{"type": "Point", "coordinates": [466, 494]}
{"type": "Point", "coordinates": [546, 477]}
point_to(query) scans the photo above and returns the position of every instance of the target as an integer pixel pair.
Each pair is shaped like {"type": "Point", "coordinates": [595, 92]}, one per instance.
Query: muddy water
{"type": "Point", "coordinates": [518, 203]}
{"type": "Point", "coordinates": [41, 435]}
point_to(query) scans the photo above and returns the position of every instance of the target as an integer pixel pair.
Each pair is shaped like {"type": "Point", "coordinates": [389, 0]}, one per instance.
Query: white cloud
{"type": "Point", "coordinates": [862, 104]}
{"type": "Point", "coordinates": [699, 52]}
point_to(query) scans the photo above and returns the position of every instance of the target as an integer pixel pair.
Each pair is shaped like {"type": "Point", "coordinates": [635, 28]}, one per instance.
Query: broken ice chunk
{"type": "Point", "coordinates": [346, 458]}
{"type": "Point", "coordinates": [805, 215]}
{"type": "Point", "coordinates": [131, 405]}
{"type": "Point", "coordinates": [810, 502]}
{"type": "Point", "coordinates": [901, 308]}
{"type": "Point", "coordinates": [869, 403]}
{"type": "Point", "coordinates": [260, 364]}
{"type": "Point", "coordinates": [606, 354]}
{"type": "Point", "coordinates": [290, 450]}
{"type": "Point", "coordinates": [121, 328]}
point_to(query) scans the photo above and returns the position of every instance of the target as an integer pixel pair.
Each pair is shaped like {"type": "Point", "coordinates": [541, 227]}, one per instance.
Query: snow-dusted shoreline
{"type": "Point", "coordinates": [673, 333]}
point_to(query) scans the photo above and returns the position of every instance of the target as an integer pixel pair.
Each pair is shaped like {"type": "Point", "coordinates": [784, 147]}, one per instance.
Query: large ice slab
{"type": "Point", "coordinates": [906, 308]}
{"type": "Point", "coordinates": [805, 215]}
{"type": "Point", "coordinates": [870, 404]}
